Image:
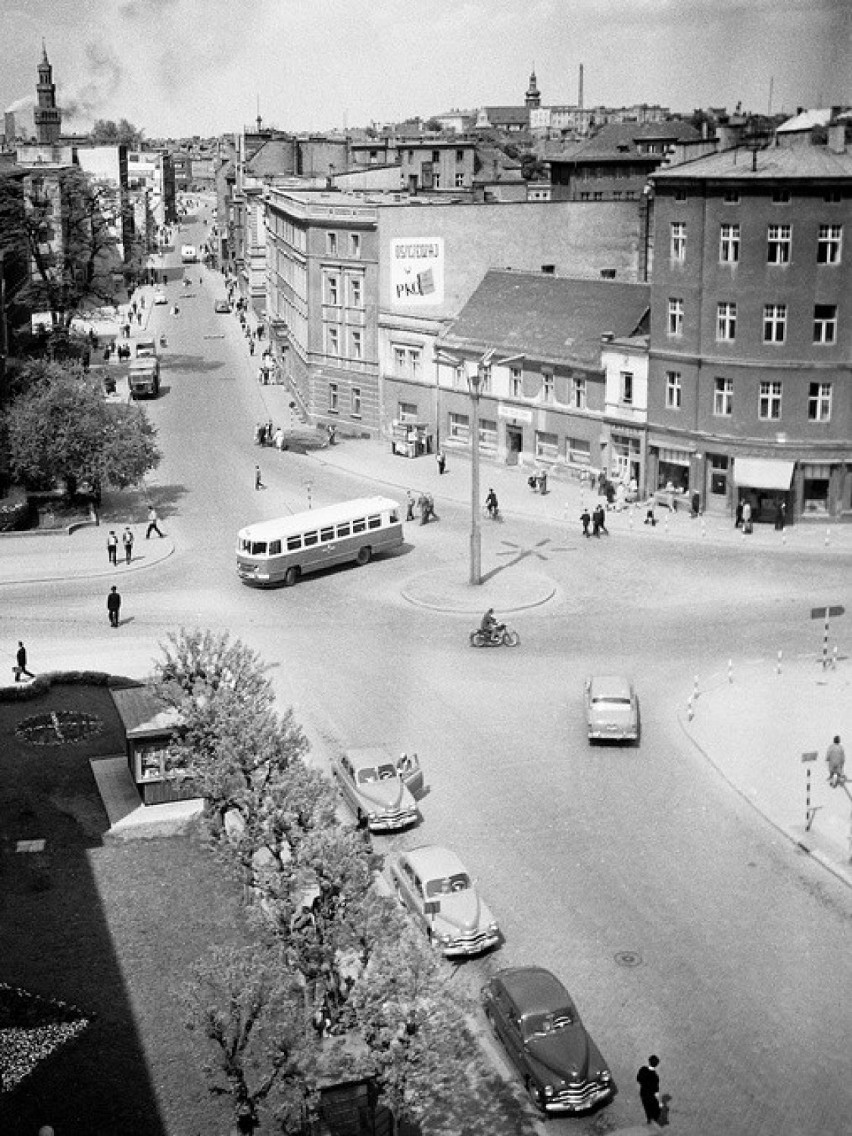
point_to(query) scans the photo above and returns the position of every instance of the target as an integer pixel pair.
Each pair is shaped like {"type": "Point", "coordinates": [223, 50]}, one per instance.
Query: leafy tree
{"type": "Point", "coordinates": [60, 429]}
{"type": "Point", "coordinates": [106, 132]}
{"type": "Point", "coordinates": [250, 1012]}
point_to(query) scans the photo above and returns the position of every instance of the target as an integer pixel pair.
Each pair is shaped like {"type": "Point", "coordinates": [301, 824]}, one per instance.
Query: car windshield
{"type": "Point", "coordinates": [537, 1024]}
{"type": "Point", "coordinates": [446, 885]}
{"type": "Point", "coordinates": [608, 700]}
{"type": "Point", "coordinates": [376, 773]}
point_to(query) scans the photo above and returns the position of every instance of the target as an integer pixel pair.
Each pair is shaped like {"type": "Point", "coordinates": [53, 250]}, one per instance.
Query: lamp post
{"type": "Point", "coordinates": [474, 382]}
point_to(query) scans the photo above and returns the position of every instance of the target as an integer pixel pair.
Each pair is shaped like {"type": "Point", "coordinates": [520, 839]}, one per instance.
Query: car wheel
{"type": "Point", "coordinates": [534, 1093]}
{"type": "Point", "coordinates": [290, 577]}
{"type": "Point", "coordinates": [364, 555]}
{"type": "Point", "coordinates": [360, 819]}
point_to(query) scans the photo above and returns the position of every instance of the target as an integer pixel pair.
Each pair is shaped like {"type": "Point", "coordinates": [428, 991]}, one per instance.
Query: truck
{"type": "Point", "coordinates": [144, 377]}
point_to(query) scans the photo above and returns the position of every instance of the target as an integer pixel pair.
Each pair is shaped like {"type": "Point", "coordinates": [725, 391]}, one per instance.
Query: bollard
{"type": "Point", "coordinates": [827, 535]}
{"type": "Point", "coordinates": [690, 712]}
{"type": "Point", "coordinates": [703, 527]}
{"type": "Point", "coordinates": [667, 523]}
{"type": "Point", "coordinates": [834, 658]}
{"type": "Point", "coordinates": [783, 537]}
{"type": "Point", "coordinates": [730, 670]}
{"type": "Point", "coordinates": [695, 688]}
{"type": "Point", "coordinates": [778, 664]}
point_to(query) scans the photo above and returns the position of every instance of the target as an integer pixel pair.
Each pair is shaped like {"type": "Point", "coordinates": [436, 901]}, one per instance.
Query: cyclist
{"type": "Point", "coordinates": [491, 504]}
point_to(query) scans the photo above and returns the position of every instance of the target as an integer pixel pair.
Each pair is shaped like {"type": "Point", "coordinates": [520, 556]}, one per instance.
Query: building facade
{"type": "Point", "coordinates": [750, 368]}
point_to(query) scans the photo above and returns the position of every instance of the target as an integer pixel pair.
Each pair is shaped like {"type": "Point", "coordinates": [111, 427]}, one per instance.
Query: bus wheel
{"type": "Point", "coordinates": [290, 577]}
{"type": "Point", "coordinates": [364, 555]}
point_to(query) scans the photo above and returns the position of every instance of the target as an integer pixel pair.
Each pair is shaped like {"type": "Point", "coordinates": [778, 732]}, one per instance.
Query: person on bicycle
{"type": "Point", "coordinates": [491, 503]}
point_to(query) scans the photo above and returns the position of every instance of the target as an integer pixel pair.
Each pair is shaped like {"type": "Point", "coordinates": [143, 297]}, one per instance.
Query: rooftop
{"type": "Point", "coordinates": [773, 163]}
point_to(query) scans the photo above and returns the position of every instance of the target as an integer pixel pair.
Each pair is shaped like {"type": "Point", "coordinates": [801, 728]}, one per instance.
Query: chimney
{"type": "Point", "coordinates": [837, 138]}
{"type": "Point", "coordinates": [580, 89]}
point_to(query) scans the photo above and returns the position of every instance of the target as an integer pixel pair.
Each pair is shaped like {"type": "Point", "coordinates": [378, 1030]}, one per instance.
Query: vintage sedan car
{"type": "Point", "coordinates": [537, 1021]}
{"type": "Point", "coordinates": [378, 787]}
{"type": "Point", "coordinates": [612, 709]}
{"type": "Point", "coordinates": [221, 306]}
{"type": "Point", "coordinates": [436, 886]}
{"type": "Point", "coordinates": [160, 297]}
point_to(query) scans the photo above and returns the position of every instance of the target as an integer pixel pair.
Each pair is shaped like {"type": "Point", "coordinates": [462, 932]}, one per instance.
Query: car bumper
{"type": "Point", "coordinates": [581, 1099]}
{"type": "Point", "coordinates": [475, 945]}
{"type": "Point", "coordinates": [391, 823]}
{"type": "Point", "coordinates": [613, 734]}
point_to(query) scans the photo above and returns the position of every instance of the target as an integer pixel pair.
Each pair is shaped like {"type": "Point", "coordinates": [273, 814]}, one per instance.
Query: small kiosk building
{"type": "Point", "coordinates": [148, 725]}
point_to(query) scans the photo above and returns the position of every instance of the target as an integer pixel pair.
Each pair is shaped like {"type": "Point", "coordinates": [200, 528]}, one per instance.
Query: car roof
{"type": "Point", "coordinates": [533, 989]}
{"type": "Point", "coordinates": [611, 686]}
{"type": "Point", "coordinates": [370, 755]}
{"type": "Point", "coordinates": [430, 860]}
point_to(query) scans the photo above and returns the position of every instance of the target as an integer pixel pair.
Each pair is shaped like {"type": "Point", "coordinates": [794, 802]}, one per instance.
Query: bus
{"type": "Point", "coordinates": [280, 551]}
{"type": "Point", "coordinates": [188, 254]}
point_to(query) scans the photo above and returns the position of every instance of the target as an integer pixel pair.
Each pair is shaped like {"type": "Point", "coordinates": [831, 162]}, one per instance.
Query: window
{"type": "Point", "coordinates": [578, 392]}
{"type": "Point", "coordinates": [547, 386]}
{"type": "Point", "coordinates": [459, 180]}
{"type": "Point", "coordinates": [333, 340]}
{"type": "Point", "coordinates": [356, 292]}
{"type": "Point", "coordinates": [311, 538]}
{"type": "Point", "coordinates": [626, 380]}
{"type": "Point", "coordinates": [774, 323]}
{"type": "Point", "coordinates": [825, 323]}
{"type": "Point", "coordinates": [356, 343]}
{"type": "Point", "coordinates": [731, 197]}
{"type": "Point", "coordinates": [819, 402]}
{"type": "Point", "coordinates": [546, 445]}
{"type": "Point", "coordinates": [726, 321]}
{"type": "Point", "coordinates": [674, 390]}
{"type": "Point", "coordinates": [331, 244]}
{"type": "Point", "coordinates": [781, 197]}
{"type": "Point", "coordinates": [718, 474]}
{"type": "Point", "coordinates": [356, 404]}
{"type": "Point", "coordinates": [675, 317]}
{"type": "Point", "coordinates": [333, 398]}
{"type": "Point", "coordinates": [680, 196]}
{"type": "Point", "coordinates": [407, 362]}
{"type": "Point", "coordinates": [516, 382]}
{"type": "Point", "coordinates": [488, 435]}
{"type": "Point", "coordinates": [723, 398]}
{"type": "Point", "coordinates": [436, 156]}
{"type": "Point", "coordinates": [459, 427]}
{"type": "Point", "coordinates": [436, 179]}
{"type": "Point", "coordinates": [407, 411]}
{"type": "Point", "coordinates": [729, 244]}
{"type": "Point", "coordinates": [327, 534]}
{"type": "Point", "coordinates": [485, 385]}
{"type": "Point", "coordinates": [355, 245]}
{"type": "Point", "coordinates": [778, 244]}
{"type": "Point", "coordinates": [332, 290]}
{"type": "Point", "coordinates": [344, 529]}
{"type": "Point", "coordinates": [578, 450]}
{"type": "Point", "coordinates": [769, 404]}
{"type": "Point", "coordinates": [832, 197]}
{"type": "Point", "coordinates": [677, 247]}
{"type": "Point", "coordinates": [294, 543]}
{"type": "Point", "coordinates": [829, 243]}
{"type": "Point", "coordinates": [459, 155]}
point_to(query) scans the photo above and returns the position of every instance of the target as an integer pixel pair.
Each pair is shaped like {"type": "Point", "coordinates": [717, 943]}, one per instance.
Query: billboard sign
{"type": "Point", "coordinates": [417, 271]}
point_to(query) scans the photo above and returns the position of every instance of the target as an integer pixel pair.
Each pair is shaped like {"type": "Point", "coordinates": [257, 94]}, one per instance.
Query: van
{"type": "Point", "coordinates": [144, 378]}
{"type": "Point", "coordinates": [146, 348]}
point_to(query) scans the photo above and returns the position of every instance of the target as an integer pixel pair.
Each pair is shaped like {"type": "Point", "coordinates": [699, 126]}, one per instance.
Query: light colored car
{"type": "Point", "coordinates": [378, 787]}
{"type": "Point", "coordinates": [612, 709]}
{"type": "Point", "coordinates": [221, 306]}
{"type": "Point", "coordinates": [436, 886]}
{"type": "Point", "coordinates": [160, 297]}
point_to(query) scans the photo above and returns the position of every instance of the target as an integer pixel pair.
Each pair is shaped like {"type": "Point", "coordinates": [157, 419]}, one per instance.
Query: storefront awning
{"type": "Point", "coordinates": [763, 473]}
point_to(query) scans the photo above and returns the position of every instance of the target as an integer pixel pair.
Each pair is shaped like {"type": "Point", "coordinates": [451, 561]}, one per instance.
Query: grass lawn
{"type": "Point", "coordinates": [109, 931]}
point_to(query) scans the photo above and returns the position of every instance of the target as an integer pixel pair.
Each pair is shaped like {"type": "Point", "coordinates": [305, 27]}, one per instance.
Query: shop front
{"type": "Point", "coordinates": [148, 727]}
{"type": "Point", "coordinates": [765, 484]}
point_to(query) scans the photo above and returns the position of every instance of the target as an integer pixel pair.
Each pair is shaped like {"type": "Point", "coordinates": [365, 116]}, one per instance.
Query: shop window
{"type": "Point", "coordinates": [546, 445]}
{"type": "Point", "coordinates": [459, 427]}
{"type": "Point", "coordinates": [406, 412]}
{"type": "Point", "coordinates": [815, 491]}
{"type": "Point", "coordinates": [488, 435]}
{"type": "Point", "coordinates": [718, 475]}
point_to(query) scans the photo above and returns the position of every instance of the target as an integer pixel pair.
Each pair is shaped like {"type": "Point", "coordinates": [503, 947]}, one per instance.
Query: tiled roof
{"type": "Point", "coordinates": [618, 140]}
{"type": "Point", "coordinates": [550, 318]}
{"type": "Point", "coordinates": [273, 157]}
{"type": "Point", "coordinates": [775, 162]}
{"type": "Point", "coordinates": [507, 113]}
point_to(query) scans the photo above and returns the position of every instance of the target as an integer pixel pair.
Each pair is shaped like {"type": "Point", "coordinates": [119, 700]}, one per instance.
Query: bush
{"type": "Point", "coordinates": [41, 684]}
{"type": "Point", "coordinates": [14, 515]}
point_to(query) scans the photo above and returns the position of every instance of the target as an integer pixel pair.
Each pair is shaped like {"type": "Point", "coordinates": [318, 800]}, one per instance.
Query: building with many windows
{"type": "Point", "coordinates": [750, 368]}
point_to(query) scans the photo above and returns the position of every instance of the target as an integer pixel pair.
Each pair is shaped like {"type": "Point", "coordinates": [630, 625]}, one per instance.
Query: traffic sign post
{"type": "Point", "coordinates": [826, 613]}
{"type": "Point", "coordinates": [808, 759]}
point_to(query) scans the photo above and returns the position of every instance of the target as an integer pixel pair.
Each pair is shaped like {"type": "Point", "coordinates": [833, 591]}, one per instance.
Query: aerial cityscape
{"type": "Point", "coordinates": [426, 554]}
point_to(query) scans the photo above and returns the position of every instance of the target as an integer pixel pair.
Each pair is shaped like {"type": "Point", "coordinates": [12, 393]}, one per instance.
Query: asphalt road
{"type": "Point", "coordinates": [681, 922]}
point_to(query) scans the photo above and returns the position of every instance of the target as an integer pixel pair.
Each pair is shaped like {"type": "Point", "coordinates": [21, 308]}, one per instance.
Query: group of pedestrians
{"type": "Point", "coordinates": [127, 538]}
{"type": "Point", "coordinates": [597, 519]}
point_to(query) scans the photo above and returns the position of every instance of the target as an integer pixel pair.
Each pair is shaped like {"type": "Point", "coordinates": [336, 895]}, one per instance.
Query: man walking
{"type": "Point", "coordinates": [112, 546]}
{"type": "Point", "coordinates": [21, 663]}
{"type": "Point", "coordinates": [835, 755]}
{"type": "Point", "coordinates": [153, 522]}
{"type": "Point", "coordinates": [585, 519]}
{"type": "Point", "coordinates": [258, 483]}
{"type": "Point", "coordinates": [649, 1089]}
{"type": "Point", "coordinates": [113, 606]}
{"type": "Point", "coordinates": [127, 541]}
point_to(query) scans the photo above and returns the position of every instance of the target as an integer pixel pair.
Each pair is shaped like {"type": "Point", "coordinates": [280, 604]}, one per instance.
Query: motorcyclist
{"type": "Point", "coordinates": [489, 625]}
{"type": "Point", "coordinates": [491, 503]}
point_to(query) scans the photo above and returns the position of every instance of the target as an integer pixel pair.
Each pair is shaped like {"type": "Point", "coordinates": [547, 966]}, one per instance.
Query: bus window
{"type": "Point", "coordinates": [311, 538]}
{"type": "Point", "coordinates": [344, 530]}
{"type": "Point", "coordinates": [258, 548]}
{"type": "Point", "coordinates": [327, 534]}
{"type": "Point", "coordinates": [374, 522]}
{"type": "Point", "coordinates": [294, 543]}
{"type": "Point", "coordinates": [274, 547]}
{"type": "Point", "coordinates": [359, 526]}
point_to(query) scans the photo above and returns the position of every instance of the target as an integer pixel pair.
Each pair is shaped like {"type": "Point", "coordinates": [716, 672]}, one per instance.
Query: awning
{"type": "Point", "coordinates": [763, 473]}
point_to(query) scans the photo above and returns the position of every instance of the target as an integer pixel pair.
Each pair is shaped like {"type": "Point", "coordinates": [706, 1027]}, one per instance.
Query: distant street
{"type": "Point", "coordinates": [683, 924]}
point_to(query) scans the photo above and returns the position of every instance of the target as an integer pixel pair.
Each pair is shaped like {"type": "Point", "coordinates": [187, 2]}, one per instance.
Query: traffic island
{"type": "Point", "coordinates": [505, 589]}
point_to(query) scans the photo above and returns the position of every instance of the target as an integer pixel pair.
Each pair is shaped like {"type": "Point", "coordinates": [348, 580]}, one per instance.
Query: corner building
{"type": "Point", "coordinates": [750, 364]}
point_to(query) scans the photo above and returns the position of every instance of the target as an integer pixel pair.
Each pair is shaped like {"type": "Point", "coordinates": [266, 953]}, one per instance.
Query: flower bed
{"type": "Point", "coordinates": [31, 1029]}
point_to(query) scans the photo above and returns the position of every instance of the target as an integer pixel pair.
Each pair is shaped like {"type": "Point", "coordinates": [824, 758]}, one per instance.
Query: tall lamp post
{"type": "Point", "coordinates": [475, 382]}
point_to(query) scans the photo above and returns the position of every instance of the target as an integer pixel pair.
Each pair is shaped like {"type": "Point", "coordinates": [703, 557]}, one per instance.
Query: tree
{"type": "Point", "coordinates": [61, 430]}
{"type": "Point", "coordinates": [250, 1012]}
{"type": "Point", "coordinates": [105, 132]}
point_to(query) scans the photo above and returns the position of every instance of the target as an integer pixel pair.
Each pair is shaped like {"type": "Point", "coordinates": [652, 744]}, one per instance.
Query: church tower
{"type": "Point", "coordinates": [532, 99]}
{"type": "Point", "coordinates": [47, 115]}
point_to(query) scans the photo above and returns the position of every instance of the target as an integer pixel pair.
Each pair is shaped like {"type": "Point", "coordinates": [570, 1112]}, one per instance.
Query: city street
{"type": "Point", "coordinates": [683, 924]}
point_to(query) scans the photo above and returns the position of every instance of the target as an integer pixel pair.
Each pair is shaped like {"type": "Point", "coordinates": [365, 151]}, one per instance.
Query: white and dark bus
{"type": "Point", "coordinates": [280, 551]}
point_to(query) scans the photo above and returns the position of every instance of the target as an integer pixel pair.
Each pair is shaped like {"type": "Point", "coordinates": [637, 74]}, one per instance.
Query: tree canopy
{"type": "Point", "coordinates": [106, 132]}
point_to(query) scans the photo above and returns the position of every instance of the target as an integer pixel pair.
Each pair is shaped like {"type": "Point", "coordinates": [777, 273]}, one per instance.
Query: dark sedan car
{"type": "Point", "coordinates": [535, 1018]}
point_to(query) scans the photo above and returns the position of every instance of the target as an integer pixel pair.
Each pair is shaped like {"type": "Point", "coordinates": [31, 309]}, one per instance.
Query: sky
{"type": "Point", "coordinates": [182, 67]}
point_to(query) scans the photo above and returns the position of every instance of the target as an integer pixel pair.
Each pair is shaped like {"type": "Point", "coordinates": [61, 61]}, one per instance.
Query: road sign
{"type": "Point", "coordinates": [827, 612]}
{"type": "Point", "coordinates": [812, 755]}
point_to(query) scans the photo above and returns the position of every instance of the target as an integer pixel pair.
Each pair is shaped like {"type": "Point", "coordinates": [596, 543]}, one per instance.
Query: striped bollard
{"type": "Point", "coordinates": [778, 664]}
{"type": "Point", "coordinates": [695, 689]}
{"type": "Point", "coordinates": [730, 670]}
{"type": "Point", "coordinates": [703, 528]}
{"type": "Point", "coordinates": [827, 535]}
{"type": "Point", "coordinates": [690, 712]}
{"type": "Point", "coordinates": [784, 537]}
{"type": "Point", "coordinates": [825, 641]}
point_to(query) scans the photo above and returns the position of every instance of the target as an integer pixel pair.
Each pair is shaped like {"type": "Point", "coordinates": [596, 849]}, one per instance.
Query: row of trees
{"type": "Point", "coordinates": [336, 985]}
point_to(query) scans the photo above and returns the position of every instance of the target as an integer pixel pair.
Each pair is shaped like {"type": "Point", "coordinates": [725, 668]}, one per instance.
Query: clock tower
{"type": "Point", "coordinates": [47, 115]}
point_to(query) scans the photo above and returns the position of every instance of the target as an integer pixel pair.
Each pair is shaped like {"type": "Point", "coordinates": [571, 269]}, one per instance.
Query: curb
{"type": "Point", "coordinates": [93, 574]}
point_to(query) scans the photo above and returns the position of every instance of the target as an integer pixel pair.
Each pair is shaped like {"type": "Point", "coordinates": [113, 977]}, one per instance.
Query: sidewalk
{"type": "Point", "coordinates": [42, 558]}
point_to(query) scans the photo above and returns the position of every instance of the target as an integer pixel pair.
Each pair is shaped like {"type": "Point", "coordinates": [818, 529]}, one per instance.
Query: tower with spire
{"type": "Point", "coordinates": [532, 99]}
{"type": "Point", "coordinates": [47, 115]}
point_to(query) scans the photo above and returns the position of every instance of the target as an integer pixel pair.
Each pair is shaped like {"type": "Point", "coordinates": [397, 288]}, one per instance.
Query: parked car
{"type": "Point", "coordinates": [436, 886]}
{"type": "Point", "coordinates": [612, 709]}
{"type": "Point", "coordinates": [221, 306]}
{"type": "Point", "coordinates": [539, 1025]}
{"type": "Point", "coordinates": [378, 787]}
{"type": "Point", "coordinates": [160, 297]}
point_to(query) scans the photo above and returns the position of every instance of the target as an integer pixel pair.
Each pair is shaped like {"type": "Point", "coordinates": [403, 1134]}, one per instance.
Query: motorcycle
{"type": "Point", "coordinates": [499, 636]}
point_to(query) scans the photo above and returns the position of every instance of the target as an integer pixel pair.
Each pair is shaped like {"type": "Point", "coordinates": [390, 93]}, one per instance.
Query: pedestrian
{"type": "Point", "coordinates": [491, 504]}
{"type": "Point", "coordinates": [649, 1089]}
{"type": "Point", "coordinates": [113, 605]}
{"type": "Point", "coordinates": [585, 519]}
{"type": "Point", "coordinates": [738, 518]}
{"type": "Point", "coordinates": [747, 525]}
{"type": "Point", "coordinates": [112, 547]}
{"type": "Point", "coordinates": [258, 484]}
{"type": "Point", "coordinates": [409, 505]}
{"type": "Point", "coordinates": [835, 755]}
{"type": "Point", "coordinates": [650, 519]}
{"type": "Point", "coordinates": [599, 521]}
{"type": "Point", "coordinates": [127, 541]}
{"type": "Point", "coordinates": [780, 516]}
{"type": "Point", "coordinates": [21, 663]}
{"type": "Point", "coordinates": [251, 345]}
{"type": "Point", "coordinates": [441, 459]}
{"type": "Point", "coordinates": [153, 523]}
{"type": "Point", "coordinates": [332, 434]}
{"type": "Point", "coordinates": [139, 318]}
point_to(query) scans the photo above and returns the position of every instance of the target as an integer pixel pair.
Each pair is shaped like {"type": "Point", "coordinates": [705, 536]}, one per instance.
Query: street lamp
{"type": "Point", "coordinates": [475, 382]}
